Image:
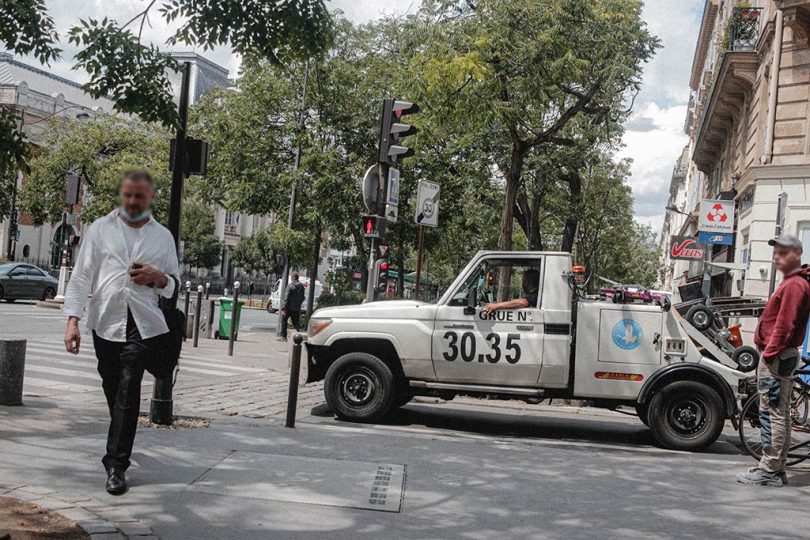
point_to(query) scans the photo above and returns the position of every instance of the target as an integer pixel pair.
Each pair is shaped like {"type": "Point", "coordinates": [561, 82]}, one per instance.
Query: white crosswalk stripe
{"type": "Point", "coordinates": [51, 369]}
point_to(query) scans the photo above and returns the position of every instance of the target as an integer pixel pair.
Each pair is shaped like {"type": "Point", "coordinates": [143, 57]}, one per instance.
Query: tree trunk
{"type": "Point", "coordinates": [313, 274]}
{"type": "Point", "coordinates": [512, 183]}
{"type": "Point", "coordinates": [570, 229]}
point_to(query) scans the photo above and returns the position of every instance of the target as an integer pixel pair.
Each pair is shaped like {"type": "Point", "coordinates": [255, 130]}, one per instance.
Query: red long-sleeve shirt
{"type": "Point", "coordinates": [784, 320]}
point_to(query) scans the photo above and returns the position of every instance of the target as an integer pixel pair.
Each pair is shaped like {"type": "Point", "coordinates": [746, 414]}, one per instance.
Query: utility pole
{"type": "Point", "coordinates": [162, 407]}
{"type": "Point", "coordinates": [285, 273]}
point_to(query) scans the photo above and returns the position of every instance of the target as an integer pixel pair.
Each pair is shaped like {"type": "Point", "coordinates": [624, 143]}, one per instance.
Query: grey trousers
{"type": "Point", "coordinates": [775, 386]}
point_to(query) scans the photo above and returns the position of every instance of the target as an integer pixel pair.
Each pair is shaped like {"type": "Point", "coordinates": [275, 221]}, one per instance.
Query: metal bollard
{"type": "Point", "coordinates": [185, 307]}
{"type": "Point", "coordinates": [234, 318]}
{"type": "Point", "coordinates": [197, 313]}
{"type": "Point", "coordinates": [211, 305]}
{"type": "Point", "coordinates": [12, 371]}
{"type": "Point", "coordinates": [295, 369]}
{"type": "Point", "coordinates": [207, 290]}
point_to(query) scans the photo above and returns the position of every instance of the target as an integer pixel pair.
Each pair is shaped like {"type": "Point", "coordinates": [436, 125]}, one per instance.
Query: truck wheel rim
{"type": "Point", "coordinates": [746, 360]}
{"type": "Point", "coordinates": [358, 387]}
{"type": "Point", "coordinates": [687, 415]}
{"type": "Point", "coordinates": [700, 318]}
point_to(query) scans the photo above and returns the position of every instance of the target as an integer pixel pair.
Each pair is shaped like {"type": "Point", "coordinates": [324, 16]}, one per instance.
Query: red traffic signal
{"type": "Point", "coordinates": [373, 226]}
{"type": "Point", "coordinates": [391, 130]}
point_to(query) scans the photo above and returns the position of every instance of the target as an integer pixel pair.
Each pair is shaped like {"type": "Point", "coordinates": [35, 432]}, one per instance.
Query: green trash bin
{"type": "Point", "coordinates": [226, 317]}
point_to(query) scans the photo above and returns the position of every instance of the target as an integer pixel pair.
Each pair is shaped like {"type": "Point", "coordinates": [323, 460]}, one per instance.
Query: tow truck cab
{"type": "Point", "coordinates": [377, 356]}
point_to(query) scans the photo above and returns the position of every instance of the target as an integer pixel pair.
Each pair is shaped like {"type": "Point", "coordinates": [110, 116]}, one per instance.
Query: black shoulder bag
{"type": "Point", "coordinates": [169, 354]}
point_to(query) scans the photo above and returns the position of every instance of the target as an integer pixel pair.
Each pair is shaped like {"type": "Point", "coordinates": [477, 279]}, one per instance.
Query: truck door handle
{"type": "Point", "coordinates": [460, 326]}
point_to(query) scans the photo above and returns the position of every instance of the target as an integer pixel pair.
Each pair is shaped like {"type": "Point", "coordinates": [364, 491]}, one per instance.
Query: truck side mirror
{"type": "Point", "coordinates": [472, 294]}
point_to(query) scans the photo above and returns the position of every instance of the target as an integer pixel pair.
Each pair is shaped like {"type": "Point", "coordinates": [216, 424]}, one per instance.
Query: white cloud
{"type": "Point", "coordinates": [654, 138]}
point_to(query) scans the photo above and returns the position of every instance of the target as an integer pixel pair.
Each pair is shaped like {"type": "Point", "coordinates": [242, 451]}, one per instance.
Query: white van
{"type": "Point", "coordinates": [274, 303]}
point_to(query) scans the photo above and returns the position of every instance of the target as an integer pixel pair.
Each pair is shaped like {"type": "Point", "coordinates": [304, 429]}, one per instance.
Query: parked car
{"type": "Point", "coordinates": [25, 281]}
{"type": "Point", "coordinates": [274, 302]}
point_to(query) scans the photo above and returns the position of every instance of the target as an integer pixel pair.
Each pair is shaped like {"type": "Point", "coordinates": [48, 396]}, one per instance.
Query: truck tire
{"type": "Point", "coordinates": [700, 317]}
{"type": "Point", "coordinates": [686, 415]}
{"type": "Point", "coordinates": [359, 387]}
{"type": "Point", "coordinates": [746, 358]}
{"type": "Point", "coordinates": [643, 412]}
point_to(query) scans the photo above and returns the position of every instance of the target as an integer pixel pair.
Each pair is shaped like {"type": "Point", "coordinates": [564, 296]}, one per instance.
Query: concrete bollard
{"type": "Point", "coordinates": [12, 371]}
{"type": "Point", "coordinates": [197, 313]}
{"type": "Point", "coordinates": [295, 369]}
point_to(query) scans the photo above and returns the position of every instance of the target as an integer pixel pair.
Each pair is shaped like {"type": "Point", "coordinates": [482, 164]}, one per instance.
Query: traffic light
{"type": "Point", "coordinates": [392, 130]}
{"type": "Point", "coordinates": [381, 275]}
{"type": "Point", "coordinates": [373, 226]}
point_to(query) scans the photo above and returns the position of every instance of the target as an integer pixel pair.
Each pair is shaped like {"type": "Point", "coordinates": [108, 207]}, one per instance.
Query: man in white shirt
{"type": "Point", "coordinates": [126, 262]}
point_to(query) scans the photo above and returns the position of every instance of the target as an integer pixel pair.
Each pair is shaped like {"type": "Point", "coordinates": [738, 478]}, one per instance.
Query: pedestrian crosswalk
{"type": "Point", "coordinates": [51, 371]}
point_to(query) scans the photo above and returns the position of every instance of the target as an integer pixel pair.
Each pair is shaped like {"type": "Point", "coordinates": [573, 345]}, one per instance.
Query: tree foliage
{"type": "Point", "coordinates": [202, 248]}
{"type": "Point", "coordinates": [99, 152]}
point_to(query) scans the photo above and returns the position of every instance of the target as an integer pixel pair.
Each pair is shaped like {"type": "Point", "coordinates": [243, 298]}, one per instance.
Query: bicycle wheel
{"type": "Point", "coordinates": [799, 405]}
{"type": "Point", "coordinates": [751, 438]}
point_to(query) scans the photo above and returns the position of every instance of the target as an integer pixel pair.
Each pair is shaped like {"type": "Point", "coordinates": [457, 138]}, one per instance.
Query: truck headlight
{"type": "Point", "coordinates": [317, 325]}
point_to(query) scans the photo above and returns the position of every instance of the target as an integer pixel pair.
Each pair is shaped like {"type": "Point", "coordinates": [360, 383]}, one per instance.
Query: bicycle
{"type": "Point", "coordinates": [749, 424]}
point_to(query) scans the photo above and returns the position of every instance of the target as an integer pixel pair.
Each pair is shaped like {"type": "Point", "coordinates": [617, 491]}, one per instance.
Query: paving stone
{"type": "Point", "coordinates": [79, 514]}
{"type": "Point", "coordinates": [53, 504]}
{"type": "Point", "coordinates": [97, 526]}
{"type": "Point", "coordinates": [37, 490]}
{"type": "Point", "coordinates": [134, 529]}
{"type": "Point", "coordinates": [74, 497]}
{"type": "Point", "coordinates": [115, 515]}
{"type": "Point", "coordinates": [107, 536]}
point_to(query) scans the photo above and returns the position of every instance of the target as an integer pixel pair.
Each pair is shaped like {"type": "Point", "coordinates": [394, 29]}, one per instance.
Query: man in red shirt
{"type": "Point", "coordinates": [779, 335]}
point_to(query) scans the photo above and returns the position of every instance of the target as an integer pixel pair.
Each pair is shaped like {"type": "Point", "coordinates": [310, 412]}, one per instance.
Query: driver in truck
{"type": "Point", "coordinates": [530, 286]}
{"type": "Point", "coordinates": [778, 336]}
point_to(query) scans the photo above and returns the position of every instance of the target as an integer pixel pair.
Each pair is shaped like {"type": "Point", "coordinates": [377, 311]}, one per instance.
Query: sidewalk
{"type": "Point", "coordinates": [432, 471]}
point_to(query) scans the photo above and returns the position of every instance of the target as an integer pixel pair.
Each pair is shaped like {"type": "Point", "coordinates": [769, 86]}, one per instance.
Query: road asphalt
{"type": "Point", "coordinates": [467, 469]}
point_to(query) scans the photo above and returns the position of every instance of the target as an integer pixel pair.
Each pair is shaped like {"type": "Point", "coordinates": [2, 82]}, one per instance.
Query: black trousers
{"type": "Point", "coordinates": [295, 317]}
{"type": "Point", "coordinates": [121, 366]}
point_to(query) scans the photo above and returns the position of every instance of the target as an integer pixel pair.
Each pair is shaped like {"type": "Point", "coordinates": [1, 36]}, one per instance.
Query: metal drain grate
{"type": "Point", "coordinates": [328, 482]}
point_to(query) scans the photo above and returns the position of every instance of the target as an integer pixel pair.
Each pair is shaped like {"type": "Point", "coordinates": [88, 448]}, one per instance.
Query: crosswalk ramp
{"type": "Point", "coordinates": [50, 370]}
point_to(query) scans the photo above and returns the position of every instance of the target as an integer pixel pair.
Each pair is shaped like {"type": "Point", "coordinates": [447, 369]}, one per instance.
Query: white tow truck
{"type": "Point", "coordinates": [376, 356]}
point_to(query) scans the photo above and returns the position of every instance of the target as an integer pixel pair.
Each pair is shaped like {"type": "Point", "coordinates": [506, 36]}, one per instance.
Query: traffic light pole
{"type": "Point", "coordinates": [161, 410]}
{"type": "Point", "coordinates": [285, 273]}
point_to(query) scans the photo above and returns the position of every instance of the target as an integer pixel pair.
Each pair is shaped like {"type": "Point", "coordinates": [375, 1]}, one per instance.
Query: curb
{"type": "Point", "coordinates": [98, 519]}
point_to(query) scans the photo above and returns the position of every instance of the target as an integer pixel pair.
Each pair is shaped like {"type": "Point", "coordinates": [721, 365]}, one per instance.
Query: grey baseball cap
{"type": "Point", "coordinates": [786, 240]}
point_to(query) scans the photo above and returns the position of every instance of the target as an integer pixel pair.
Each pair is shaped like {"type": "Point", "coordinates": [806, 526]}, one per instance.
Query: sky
{"type": "Point", "coordinates": [654, 135]}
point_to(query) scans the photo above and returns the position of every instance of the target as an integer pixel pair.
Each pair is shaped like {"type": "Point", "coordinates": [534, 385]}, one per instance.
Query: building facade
{"type": "Point", "coordinates": [36, 96]}
{"type": "Point", "coordinates": [749, 134]}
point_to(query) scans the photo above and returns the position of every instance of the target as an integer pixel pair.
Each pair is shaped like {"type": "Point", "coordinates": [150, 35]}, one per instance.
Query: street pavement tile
{"type": "Point", "coordinates": [91, 527]}
{"type": "Point", "coordinates": [327, 482]}
{"type": "Point", "coordinates": [134, 529]}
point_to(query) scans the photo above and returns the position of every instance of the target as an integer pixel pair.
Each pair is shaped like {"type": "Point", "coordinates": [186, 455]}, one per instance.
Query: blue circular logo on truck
{"type": "Point", "coordinates": [627, 334]}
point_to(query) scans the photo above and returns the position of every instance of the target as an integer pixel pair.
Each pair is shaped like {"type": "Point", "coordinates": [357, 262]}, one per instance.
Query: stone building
{"type": "Point", "coordinates": [748, 126]}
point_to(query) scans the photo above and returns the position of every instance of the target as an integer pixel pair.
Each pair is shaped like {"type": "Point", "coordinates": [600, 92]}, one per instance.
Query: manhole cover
{"type": "Point", "coordinates": [328, 482]}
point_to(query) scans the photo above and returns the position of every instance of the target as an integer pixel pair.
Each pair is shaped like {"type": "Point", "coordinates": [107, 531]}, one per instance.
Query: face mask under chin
{"type": "Point", "coordinates": [134, 219]}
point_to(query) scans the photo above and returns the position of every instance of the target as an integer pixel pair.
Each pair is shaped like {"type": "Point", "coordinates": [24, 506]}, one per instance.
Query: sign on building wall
{"type": "Point", "coordinates": [686, 248]}
{"type": "Point", "coordinates": [721, 239]}
{"type": "Point", "coordinates": [716, 216]}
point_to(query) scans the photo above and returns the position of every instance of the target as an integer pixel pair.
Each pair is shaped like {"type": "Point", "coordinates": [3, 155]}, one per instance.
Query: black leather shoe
{"type": "Point", "coordinates": [116, 482]}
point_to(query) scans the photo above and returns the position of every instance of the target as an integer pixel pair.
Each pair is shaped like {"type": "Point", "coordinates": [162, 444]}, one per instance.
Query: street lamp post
{"type": "Point", "coordinates": [285, 273]}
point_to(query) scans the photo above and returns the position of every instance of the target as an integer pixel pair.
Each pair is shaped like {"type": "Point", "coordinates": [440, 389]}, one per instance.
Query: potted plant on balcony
{"type": "Point", "coordinates": [742, 27]}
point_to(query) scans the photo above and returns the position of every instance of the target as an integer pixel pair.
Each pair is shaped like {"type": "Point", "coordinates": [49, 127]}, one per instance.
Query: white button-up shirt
{"type": "Point", "coordinates": [102, 269]}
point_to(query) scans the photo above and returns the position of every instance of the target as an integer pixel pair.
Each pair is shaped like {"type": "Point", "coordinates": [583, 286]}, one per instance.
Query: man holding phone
{"type": "Point", "coordinates": [126, 261]}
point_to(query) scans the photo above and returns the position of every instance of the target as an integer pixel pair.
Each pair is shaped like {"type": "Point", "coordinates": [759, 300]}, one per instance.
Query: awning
{"type": "Point", "coordinates": [730, 265]}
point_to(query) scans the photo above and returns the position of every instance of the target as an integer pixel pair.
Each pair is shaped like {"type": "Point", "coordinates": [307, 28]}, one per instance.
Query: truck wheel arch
{"type": "Point", "coordinates": [690, 372]}
{"type": "Point", "coordinates": [382, 348]}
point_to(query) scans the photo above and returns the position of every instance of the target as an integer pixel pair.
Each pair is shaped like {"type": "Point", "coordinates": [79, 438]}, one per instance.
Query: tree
{"type": "Point", "coordinates": [99, 151]}
{"type": "Point", "coordinates": [256, 254]}
{"type": "Point", "coordinates": [202, 248]}
{"type": "Point", "coordinates": [522, 79]}
{"type": "Point", "coordinates": [134, 75]}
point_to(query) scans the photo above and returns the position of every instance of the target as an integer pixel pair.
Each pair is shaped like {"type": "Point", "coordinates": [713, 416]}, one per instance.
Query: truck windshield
{"type": "Point", "coordinates": [497, 280]}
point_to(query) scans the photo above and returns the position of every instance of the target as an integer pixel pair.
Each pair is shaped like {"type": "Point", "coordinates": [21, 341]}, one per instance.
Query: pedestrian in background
{"type": "Point", "coordinates": [291, 307]}
{"type": "Point", "coordinates": [127, 261]}
{"type": "Point", "coordinates": [778, 336]}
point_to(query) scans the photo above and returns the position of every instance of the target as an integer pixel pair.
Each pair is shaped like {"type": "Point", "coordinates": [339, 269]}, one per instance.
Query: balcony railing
{"type": "Point", "coordinates": [743, 29]}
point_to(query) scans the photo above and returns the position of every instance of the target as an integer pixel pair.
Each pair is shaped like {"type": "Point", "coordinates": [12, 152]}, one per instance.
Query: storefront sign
{"type": "Point", "coordinates": [716, 216]}
{"type": "Point", "coordinates": [716, 239]}
{"type": "Point", "coordinates": [686, 248]}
